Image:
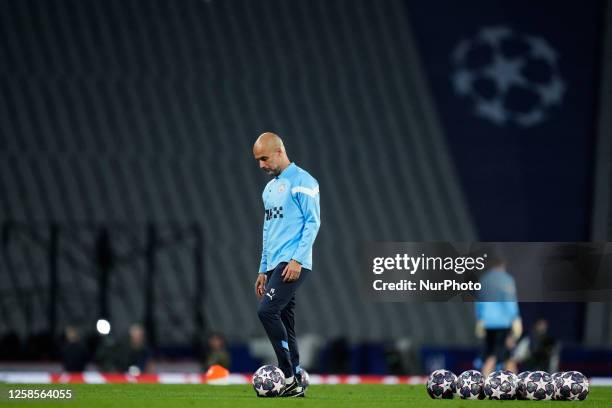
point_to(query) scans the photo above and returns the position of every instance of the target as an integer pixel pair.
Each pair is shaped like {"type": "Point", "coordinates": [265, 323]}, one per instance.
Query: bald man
{"type": "Point", "coordinates": [291, 223]}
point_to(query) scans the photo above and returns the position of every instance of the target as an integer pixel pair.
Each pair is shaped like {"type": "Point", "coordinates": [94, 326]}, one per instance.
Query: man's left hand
{"type": "Point", "coordinates": [292, 271]}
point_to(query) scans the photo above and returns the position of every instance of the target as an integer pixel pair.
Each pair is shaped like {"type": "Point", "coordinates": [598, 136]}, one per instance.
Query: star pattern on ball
{"type": "Point", "coordinates": [278, 386]}
{"type": "Point", "coordinates": [541, 384]}
{"type": "Point", "coordinates": [503, 377]}
{"type": "Point", "coordinates": [496, 393]}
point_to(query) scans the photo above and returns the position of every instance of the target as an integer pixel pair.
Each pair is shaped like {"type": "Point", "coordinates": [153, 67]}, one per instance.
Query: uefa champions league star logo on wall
{"type": "Point", "coordinates": [509, 77]}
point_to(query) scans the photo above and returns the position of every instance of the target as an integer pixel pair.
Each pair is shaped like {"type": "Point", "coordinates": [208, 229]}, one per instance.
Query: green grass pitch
{"type": "Point", "coordinates": [171, 396]}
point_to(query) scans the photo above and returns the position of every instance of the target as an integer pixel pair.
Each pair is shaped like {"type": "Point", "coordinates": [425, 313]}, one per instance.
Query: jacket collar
{"type": "Point", "coordinates": [289, 171]}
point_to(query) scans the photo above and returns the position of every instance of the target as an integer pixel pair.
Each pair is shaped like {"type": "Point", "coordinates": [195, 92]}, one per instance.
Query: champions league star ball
{"type": "Point", "coordinates": [501, 385]}
{"type": "Point", "coordinates": [470, 385]}
{"type": "Point", "coordinates": [571, 385]}
{"type": "Point", "coordinates": [539, 386]}
{"type": "Point", "coordinates": [268, 381]}
{"type": "Point", "coordinates": [557, 375]}
{"type": "Point", "coordinates": [521, 389]}
{"type": "Point", "coordinates": [304, 378]}
{"type": "Point", "coordinates": [554, 378]}
{"type": "Point", "coordinates": [441, 384]}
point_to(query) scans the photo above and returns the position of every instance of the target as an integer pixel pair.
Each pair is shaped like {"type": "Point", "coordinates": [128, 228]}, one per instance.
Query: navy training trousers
{"type": "Point", "coordinates": [277, 314]}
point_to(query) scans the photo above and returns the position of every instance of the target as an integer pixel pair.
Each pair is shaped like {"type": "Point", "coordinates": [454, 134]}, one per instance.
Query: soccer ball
{"type": "Point", "coordinates": [571, 385]}
{"type": "Point", "coordinates": [470, 385]}
{"type": "Point", "coordinates": [304, 378]}
{"type": "Point", "coordinates": [554, 378]}
{"type": "Point", "coordinates": [268, 381]}
{"type": "Point", "coordinates": [508, 77]}
{"type": "Point", "coordinates": [521, 389]}
{"type": "Point", "coordinates": [441, 384]}
{"type": "Point", "coordinates": [539, 386]}
{"type": "Point", "coordinates": [501, 385]}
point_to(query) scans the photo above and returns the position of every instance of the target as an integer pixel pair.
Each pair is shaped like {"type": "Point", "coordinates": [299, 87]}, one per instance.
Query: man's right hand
{"type": "Point", "coordinates": [480, 330]}
{"type": "Point", "coordinates": [517, 328]}
{"type": "Point", "coordinates": [260, 285]}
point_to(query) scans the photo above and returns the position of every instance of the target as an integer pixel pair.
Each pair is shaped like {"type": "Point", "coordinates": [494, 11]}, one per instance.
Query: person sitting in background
{"type": "Point", "coordinates": [135, 355]}
{"type": "Point", "coordinates": [216, 352]}
{"type": "Point", "coordinates": [74, 352]}
{"type": "Point", "coordinates": [538, 350]}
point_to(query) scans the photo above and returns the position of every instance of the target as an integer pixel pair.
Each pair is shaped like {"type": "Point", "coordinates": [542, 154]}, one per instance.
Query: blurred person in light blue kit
{"type": "Point", "coordinates": [498, 321]}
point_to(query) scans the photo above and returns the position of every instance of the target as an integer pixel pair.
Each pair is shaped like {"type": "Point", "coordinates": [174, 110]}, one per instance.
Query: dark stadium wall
{"type": "Point", "coordinates": [524, 182]}
{"type": "Point", "coordinates": [145, 111]}
{"type": "Point", "coordinates": [524, 179]}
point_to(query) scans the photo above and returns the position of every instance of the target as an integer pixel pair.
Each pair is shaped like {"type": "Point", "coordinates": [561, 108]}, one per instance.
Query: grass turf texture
{"type": "Point", "coordinates": [176, 396]}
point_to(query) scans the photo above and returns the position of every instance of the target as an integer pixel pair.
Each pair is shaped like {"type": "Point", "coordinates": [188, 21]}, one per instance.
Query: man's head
{"type": "Point", "coordinates": [72, 334]}
{"type": "Point", "coordinates": [270, 152]}
{"type": "Point", "coordinates": [137, 336]}
{"type": "Point", "coordinates": [540, 327]}
{"type": "Point", "coordinates": [216, 341]}
{"type": "Point", "coordinates": [498, 263]}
